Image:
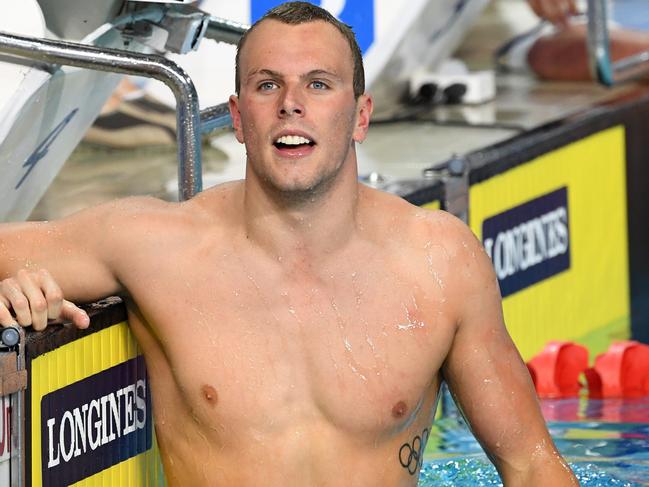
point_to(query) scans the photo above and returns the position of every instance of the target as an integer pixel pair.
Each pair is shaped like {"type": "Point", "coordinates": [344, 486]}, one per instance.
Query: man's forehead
{"type": "Point", "coordinates": [271, 36]}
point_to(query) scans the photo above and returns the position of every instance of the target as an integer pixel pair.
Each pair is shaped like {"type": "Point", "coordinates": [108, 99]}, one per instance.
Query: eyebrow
{"type": "Point", "coordinates": [310, 74]}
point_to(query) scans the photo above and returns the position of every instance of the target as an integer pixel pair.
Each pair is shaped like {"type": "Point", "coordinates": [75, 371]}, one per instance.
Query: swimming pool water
{"type": "Point", "coordinates": [606, 443]}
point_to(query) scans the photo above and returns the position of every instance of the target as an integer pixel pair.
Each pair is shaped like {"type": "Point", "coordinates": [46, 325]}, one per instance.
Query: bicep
{"type": "Point", "coordinates": [72, 250]}
{"type": "Point", "coordinates": [486, 374]}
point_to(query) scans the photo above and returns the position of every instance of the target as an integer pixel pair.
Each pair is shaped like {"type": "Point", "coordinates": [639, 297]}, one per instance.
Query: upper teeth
{"type": "Point", "coordinates": [292, 140]}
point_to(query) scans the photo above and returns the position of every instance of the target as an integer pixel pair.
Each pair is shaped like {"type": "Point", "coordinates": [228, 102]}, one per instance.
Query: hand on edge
{"type": "Point", "coordinates": [34, 297]}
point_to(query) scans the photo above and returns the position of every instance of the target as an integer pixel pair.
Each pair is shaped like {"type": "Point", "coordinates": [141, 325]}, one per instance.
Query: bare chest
{"type": "Point", "coordinates": [250, 351]}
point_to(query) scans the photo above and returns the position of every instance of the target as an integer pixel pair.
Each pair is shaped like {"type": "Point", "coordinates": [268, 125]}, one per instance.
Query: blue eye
{"type": "Point", "coordinates": [319, 85]}
{"type": "Point", "coordinates": [267, 85]}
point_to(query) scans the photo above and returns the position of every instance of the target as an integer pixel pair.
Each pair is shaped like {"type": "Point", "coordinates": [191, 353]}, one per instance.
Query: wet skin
{"type": "Point", "coordinates": [286, 371]}
{"type": "Point", "coordinates": [296, 326]}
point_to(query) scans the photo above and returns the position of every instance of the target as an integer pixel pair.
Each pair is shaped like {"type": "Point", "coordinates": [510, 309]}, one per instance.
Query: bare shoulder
{"type": "Point", "coordinates": [140, 215]}
{"type": "Point", "coordinates": [414, 226]}
{"type": "Point", "coordinates": [435, 246]}
{"type": "Point", "coordinates": [122, 230]}
{"type": "Point", "coordinates": [109, 224]}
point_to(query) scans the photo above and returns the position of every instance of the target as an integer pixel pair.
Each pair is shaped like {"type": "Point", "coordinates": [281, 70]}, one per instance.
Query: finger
{"type": "Point", "coordinates": [5, 315]}
{"type": "Point", "coordinates": [536, 8]}
{"type": "Point", "coordinates": [19, 303]}
{"type": "Point", "coordinates": [53, 294]}
{"type": "Point", "coordinates": [79, 317]}
{"type": "Point", "coordinates": [37, 303]}
{"type": "Point", "coordinates": [566, 8]}
{"type": "Point", "coordinates": [555, 11]}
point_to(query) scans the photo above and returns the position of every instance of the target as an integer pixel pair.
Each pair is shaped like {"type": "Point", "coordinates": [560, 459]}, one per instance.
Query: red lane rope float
{"type": "Point", "coordinates": [622, 371]}
{"type": "Point", "coordinates": [556, 370]}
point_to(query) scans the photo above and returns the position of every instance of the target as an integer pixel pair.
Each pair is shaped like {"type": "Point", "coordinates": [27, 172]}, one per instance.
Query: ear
{"type": "Point", "coordinates": [364, 107]}
{"type": "Point", "coordinates": [233, 104]}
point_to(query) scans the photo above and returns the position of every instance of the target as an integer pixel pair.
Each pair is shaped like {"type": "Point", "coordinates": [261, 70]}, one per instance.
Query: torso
{"type": "Point", "coordinates": [276, 372]}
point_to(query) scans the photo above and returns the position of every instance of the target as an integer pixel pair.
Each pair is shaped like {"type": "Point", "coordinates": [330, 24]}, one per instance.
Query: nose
{"type": "Point", "coordinates": [291, 103]}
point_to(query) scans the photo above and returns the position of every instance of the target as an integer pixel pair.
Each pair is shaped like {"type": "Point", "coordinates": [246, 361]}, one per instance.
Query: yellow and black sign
{"type": "Point", "coordinates": [90, 418]}
{"type": "Point", "coordinates": [556, 230]}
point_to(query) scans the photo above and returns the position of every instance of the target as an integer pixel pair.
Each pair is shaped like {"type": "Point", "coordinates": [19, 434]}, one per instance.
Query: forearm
{"type": "Point", "coordinates": [29, 294]}
{"type": "Point", "coordinates": [69, 256]}
{"type": "Point", "coordinates": [18, 241]}
{"type": "Point", "coordinates": [545, 467]}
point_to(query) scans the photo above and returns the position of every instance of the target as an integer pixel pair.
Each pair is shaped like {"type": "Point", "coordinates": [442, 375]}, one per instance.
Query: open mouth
{"type": "Point", "coordinates": [293, 143]}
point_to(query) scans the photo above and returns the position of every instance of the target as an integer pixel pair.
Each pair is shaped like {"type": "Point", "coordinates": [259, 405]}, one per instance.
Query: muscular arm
{"type": "Point", "coordinates": [490, 382]}
{"type": "Point", "coordinates": [79, 254]}
{"type": "Point", "coordinates": [71, 249]}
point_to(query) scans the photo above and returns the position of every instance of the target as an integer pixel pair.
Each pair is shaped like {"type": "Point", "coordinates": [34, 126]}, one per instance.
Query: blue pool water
{"type": "Point", "coordinates": [606, 443]}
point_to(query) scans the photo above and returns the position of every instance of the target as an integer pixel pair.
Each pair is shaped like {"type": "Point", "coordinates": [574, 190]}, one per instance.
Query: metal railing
{"type": "Point", "coordinates": [190, 121]}
{"type": "Point", "coordinates": [223, 30]}
{"type": "Point", "coordinates": [603, 68]}
{"type": "Point", "coordinates": [13, 382]}
{"type": "Point", "coordinates": [124, 62]}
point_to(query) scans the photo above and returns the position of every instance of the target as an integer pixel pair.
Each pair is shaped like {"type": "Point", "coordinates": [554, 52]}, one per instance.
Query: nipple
{"type": "Point", "coordinates": [210, 395]}
{"type": "Point", "coordinates": [399, 410]}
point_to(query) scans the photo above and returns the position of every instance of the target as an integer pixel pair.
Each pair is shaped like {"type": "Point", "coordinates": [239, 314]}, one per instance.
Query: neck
{"type": "Point", "coordinates": [313, 225]}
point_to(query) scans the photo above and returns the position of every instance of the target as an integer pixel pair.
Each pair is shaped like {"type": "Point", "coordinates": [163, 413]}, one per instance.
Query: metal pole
{"type": "Point", "coordinates": [118, 61]}
{"type": "Point", "coordinates": [223, 30]}
{"type": "Point", "coordinates": [603, 69]}
{"type": "Point", "coordinates": [14, 382]}
{"type": "Point", "coordinates": [220, 30]}
{"type": "Point", "coordinates": [598, 42]}
{"type": "Point", "coordinates": [216, 117]}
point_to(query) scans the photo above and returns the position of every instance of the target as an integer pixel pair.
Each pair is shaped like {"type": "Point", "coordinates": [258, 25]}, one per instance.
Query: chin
{"type": "Point", "coordinates": [302, 191]}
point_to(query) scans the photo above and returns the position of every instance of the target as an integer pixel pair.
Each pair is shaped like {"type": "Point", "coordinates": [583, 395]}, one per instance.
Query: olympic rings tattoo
{"type": "Point", "coordinates": [411, 456]}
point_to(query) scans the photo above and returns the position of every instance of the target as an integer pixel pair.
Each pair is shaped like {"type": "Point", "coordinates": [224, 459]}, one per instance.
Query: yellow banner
{"type": "Point", "coordinates": [558, 237]}
{"type": "Point", "coordinates": [91, 423]}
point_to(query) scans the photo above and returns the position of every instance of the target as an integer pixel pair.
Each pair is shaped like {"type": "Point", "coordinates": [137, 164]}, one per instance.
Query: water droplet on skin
{"type": "Point", "coordinates": [357, 372]}
{"type": "Point", "coordinates": [411, 322]}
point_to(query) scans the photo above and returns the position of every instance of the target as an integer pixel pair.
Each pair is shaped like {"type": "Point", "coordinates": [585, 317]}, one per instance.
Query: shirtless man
{"type": "Point", "coordinates": [296, 325]}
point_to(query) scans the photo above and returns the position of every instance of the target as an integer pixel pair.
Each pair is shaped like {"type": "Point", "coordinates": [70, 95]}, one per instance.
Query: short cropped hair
{"type": "Point", "coordinates": [295, 13]}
